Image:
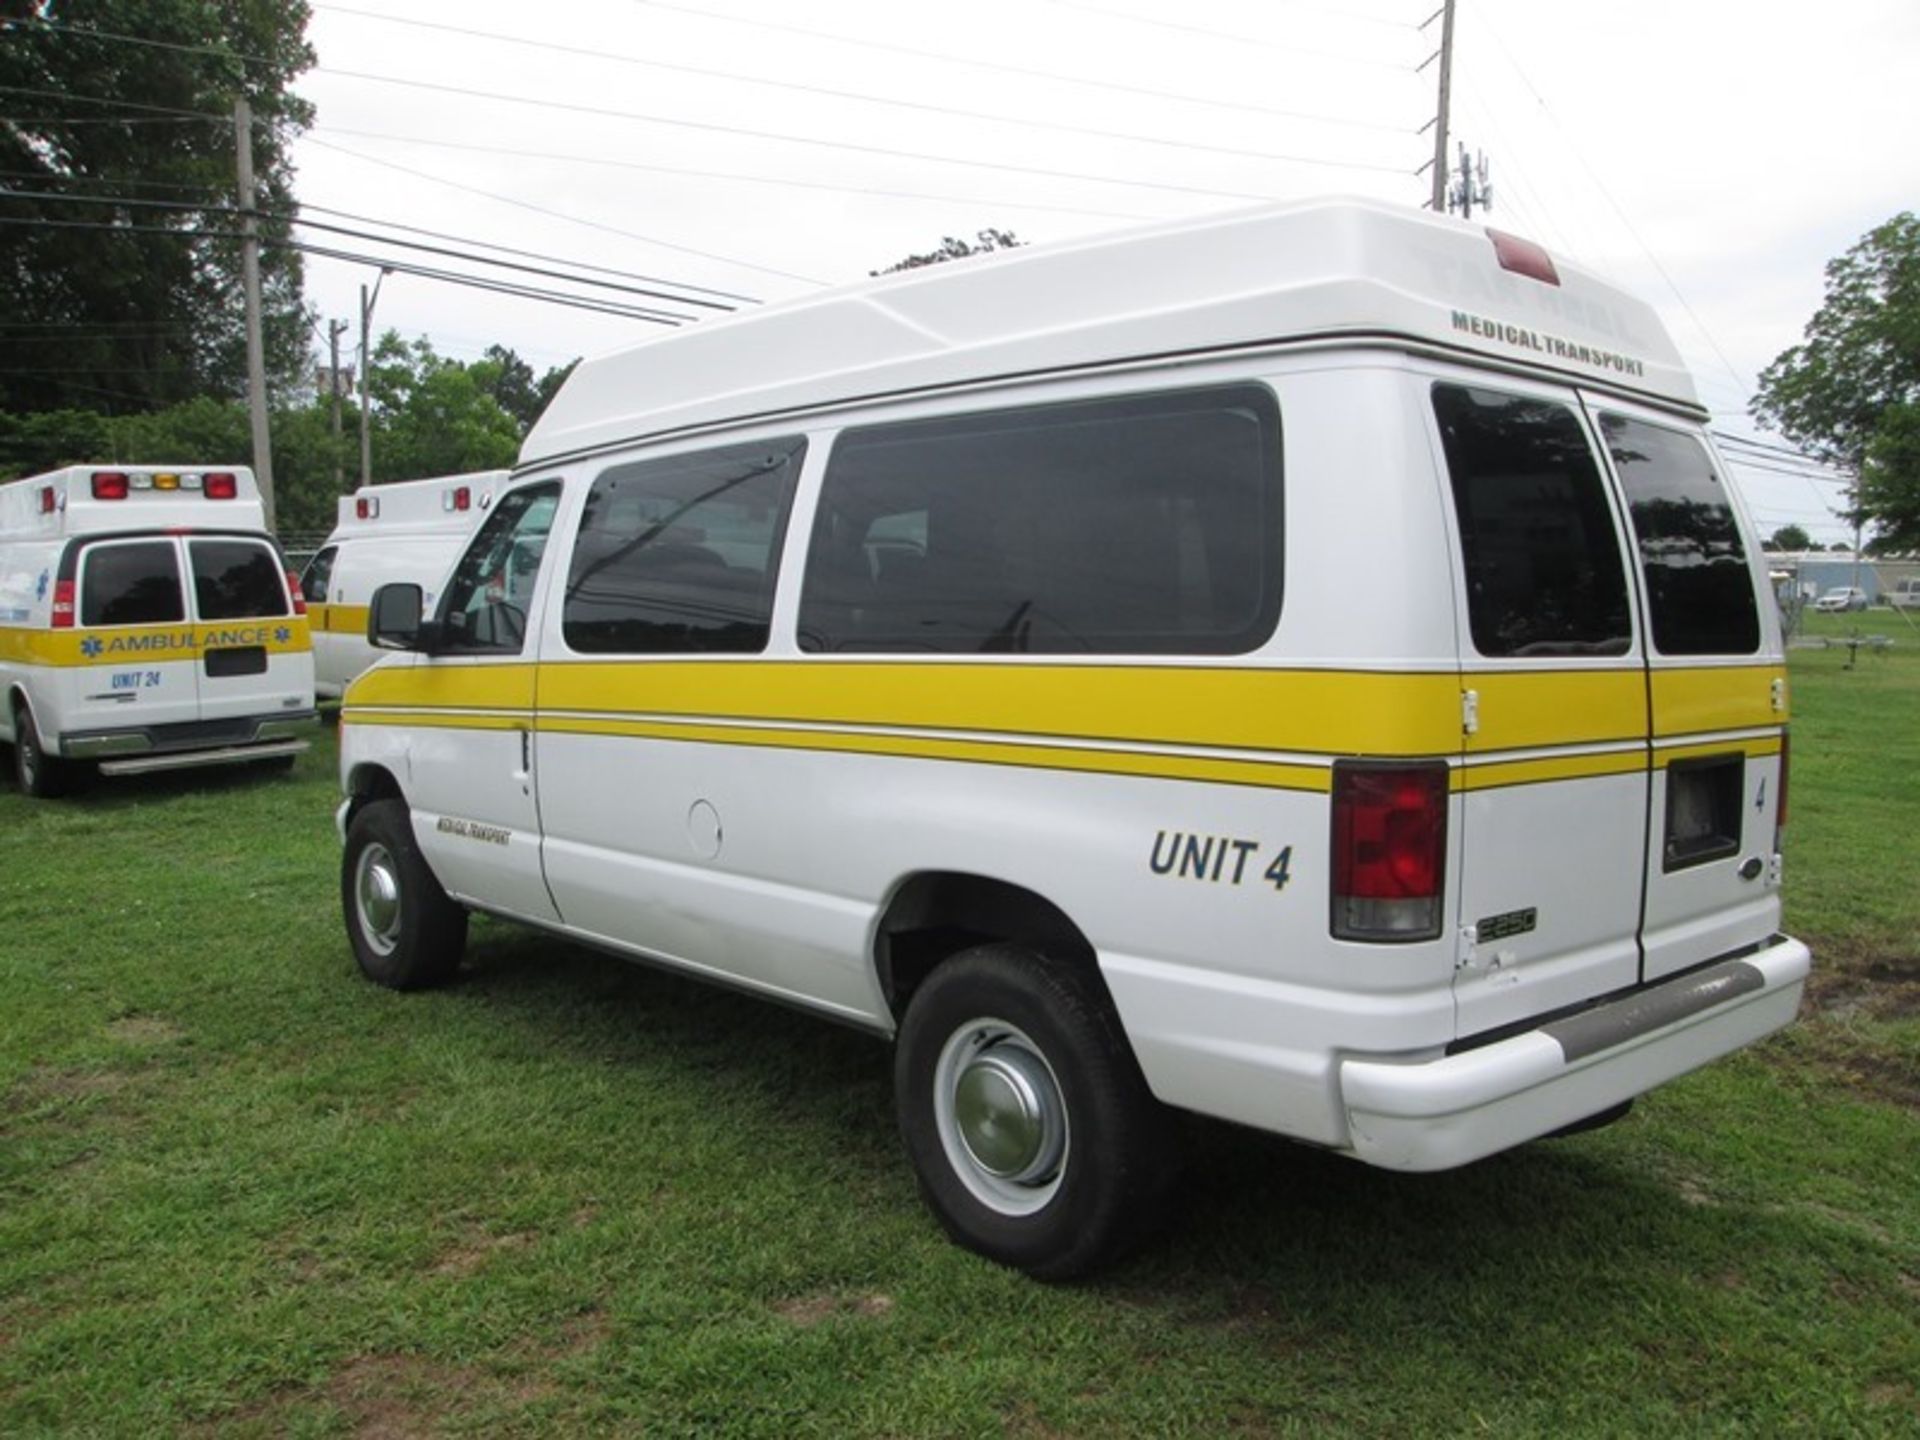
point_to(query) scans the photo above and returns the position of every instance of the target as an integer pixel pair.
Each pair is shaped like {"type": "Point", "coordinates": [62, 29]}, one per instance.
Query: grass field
{"type": "Point", "coordinates": [243, 1192]}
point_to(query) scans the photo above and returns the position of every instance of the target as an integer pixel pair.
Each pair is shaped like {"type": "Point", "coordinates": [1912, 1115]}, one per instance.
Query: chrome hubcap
{"type": "Point", "coordinates": [1001, 1117]}
{"type": "Point", "coordinates": [376, 890]}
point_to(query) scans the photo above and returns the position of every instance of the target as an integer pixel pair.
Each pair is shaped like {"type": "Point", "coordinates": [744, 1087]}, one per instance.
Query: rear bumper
{"type": "Point", "coordinates": [1435, 1114]}
{"type": "Point", "coordinates": [201, 742]}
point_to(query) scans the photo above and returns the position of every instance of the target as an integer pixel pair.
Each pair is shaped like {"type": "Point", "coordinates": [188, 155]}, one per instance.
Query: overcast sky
{"type": "Point", "coordinates": [1711, 156]}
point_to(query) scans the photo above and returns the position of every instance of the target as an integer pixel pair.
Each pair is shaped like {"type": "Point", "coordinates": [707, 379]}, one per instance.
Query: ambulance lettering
{"type": "Point", "coordinates": [1217, 859]}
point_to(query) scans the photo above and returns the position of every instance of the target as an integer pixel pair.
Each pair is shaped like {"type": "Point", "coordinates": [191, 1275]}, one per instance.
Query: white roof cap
{"type": "Point", "coordinates": [1339, 267]}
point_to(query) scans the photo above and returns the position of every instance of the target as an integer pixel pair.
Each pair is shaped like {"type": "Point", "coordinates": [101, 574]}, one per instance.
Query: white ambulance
{"type": "Point", "coordinates": [404, 530]}
{"type": "Point", "coordinates": [147, 622]}
{"type": "Point", "coordinates": [1306, 667]}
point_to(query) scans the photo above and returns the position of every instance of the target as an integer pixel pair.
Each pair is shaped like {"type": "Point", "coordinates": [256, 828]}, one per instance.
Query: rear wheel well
{"type": "Point", "coordinates": [939, 914]}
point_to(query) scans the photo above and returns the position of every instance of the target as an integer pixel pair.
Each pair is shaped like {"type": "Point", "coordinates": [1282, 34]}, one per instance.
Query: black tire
{"type": "Point", "coordinates": [985, 1017]}
{"type": "Point", "coordinates": [38, 774]}
{"type": "Point", "coordinates": [405, 932]}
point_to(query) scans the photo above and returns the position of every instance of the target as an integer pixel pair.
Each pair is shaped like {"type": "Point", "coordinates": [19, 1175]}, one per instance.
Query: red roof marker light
{"type": "Point", "coordinates": [220, 485]}
{"type": "Point", "coordinates": [109, 485]}
{"type": "Point", "coordinates": [1523, 257]}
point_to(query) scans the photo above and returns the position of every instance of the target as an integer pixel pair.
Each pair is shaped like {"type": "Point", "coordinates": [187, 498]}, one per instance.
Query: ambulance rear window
{"type": "Point", "coordinates": [137, 583]}
{"type": "Point", "coordinates": [236, 580]}
{"type": "Point", "coordinates": [1699, 588]}
{"type": "Point", "coordinates": [1543, 569]}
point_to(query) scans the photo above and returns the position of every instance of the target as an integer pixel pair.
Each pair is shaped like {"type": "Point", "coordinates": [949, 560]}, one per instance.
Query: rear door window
{"type": "Point", "coordinates": [134, 583]}
{"type": "Point", "coordinates": [1544, 576]}
{"type": "Point", "coordinates": [236, 580]}
{"type": "Point", "coordinates": [1699, 588]}
{"type": "Point", "coordinates": [319, 574]}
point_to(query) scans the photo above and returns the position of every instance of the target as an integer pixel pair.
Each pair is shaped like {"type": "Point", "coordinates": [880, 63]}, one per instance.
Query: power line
{"type": "Point", "coordinates": [1728, 437]}
{"type": "Point", "coordinates": [305, 208]}
{"type": "Point", "coordinates": [706, 175]}
{"type": "Point", "coordinates": [1234, 36]}
{"type": "Point", "coordinates": [862, 97]}
{"type": "Point", "coordinates": [560, 215]}
{"type": "Point", "coordinates": [747, 132]}
{"type": "Point", "coordinates": [54, 177]}
{"type": "Point", "coordinates": [68, 95]}
{"type": "Point", "coordinates": [1027, 72]}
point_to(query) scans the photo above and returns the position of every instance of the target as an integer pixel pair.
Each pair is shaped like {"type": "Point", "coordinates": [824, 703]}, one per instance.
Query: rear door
{"type": "Point", "coordinates": [133, 661]}
{"type": "Point", "coordinates": [1553, 699]}
{"type": "Point", "coordinates": [255, 657]}
{"type": "Point", "coordinates": [1717, 694]}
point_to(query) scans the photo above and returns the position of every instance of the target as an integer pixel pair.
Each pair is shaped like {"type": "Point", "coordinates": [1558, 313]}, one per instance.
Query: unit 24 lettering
{"type": "Point", "coordinates": [1217, 859]}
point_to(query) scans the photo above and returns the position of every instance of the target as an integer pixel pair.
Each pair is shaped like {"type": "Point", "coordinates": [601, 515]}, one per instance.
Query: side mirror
{"type": "Point", "coordinates": [393, 619]}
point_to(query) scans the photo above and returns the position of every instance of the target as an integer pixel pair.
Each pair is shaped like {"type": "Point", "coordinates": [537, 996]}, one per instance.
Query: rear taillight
{"type": "Point", "coordinates": [63, 604]}
{"type": "Point", "coordinates": [109, 485]}
{"type": "Point", "coordinates": [293, 589]}
{"type": "Point", "coordinates": [1389, 850]}
{"type": "Point", "coordinates": [221, 485]}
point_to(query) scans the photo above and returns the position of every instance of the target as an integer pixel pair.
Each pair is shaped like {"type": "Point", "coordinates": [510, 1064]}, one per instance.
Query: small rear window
{"type": "Point", "coordinates": [236, 580]}
{"type": "Point", "coordinates": [1543, 570]}
{"type": "Point", "coordinates": [132, 584]}
{"type": "Point", "coordinates": [1699, 588]}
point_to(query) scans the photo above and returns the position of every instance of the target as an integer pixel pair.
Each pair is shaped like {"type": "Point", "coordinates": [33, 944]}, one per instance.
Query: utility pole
{"type": "Point", "coordinates": [250, 281]}
{"type": "Point", "coordinates": [335, 328]}
{"type": "Point", "coordinates": [1438, 203]}
{"type": "Point", "coordinates": [366, 375]}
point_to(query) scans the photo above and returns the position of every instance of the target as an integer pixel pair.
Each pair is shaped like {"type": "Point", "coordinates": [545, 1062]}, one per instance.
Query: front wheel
{"type": "Point", "coordinates": [405, 932]}
{"type": "Point", "coordinates": [1030, 1127]}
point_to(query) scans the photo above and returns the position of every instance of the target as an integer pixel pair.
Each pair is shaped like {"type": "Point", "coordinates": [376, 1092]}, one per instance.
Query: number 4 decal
{"type": "Point", "coordinates": [1278, 872]}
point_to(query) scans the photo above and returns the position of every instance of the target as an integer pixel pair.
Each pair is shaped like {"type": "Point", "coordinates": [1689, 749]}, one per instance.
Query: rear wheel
{"type": "Point", "coordinates": [37, 773]}
{"type": "Point", "coordinates": [1030, 1127]}
{"type": "Point", "coordinates": [405, 932]}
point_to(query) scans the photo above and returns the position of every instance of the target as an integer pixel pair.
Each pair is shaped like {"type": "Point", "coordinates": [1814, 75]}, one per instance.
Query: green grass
{"type": "Point", "coordinates": [243, 1192]}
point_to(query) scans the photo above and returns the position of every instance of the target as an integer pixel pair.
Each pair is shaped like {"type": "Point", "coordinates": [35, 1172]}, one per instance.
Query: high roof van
{"type": "Point", "coordinates": [147, 622]}
{"type": "Point", "coordinates": [402, 530]}
{"type": "Point", "coordinates": [1306, 667]}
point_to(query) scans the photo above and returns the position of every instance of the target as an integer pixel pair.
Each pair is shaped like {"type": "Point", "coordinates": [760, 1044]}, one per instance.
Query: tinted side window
{"type": "Point", "coordinates": [1543, 567]}
{"type": "Point", "coordinates": [135, 584]}
{"type": "Point", "coordinates": [680, 554]}
{"type": "Point", "coordinates": [484, 611]}
{"type": "Point", "coordinates": [319, 574]}
{"type": "Point", "coordinates": [236, 580]}
{"type": "Point", "coordinates": [1144, 525]}
{"type": "Point", "coordinates": [1699, 589]}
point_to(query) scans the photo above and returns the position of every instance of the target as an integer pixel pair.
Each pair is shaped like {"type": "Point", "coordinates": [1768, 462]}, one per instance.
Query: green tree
{"type": "Point", "coordinates": [1847, 393]}
{"type": "Point", "coordinates": [136, 304]}
{"type": "Point", "coordinates": [1789, 537]}
{"type": "Point", "coordinates": [951, 248]}
{"type": "Point", "coordinates": [435, 415]}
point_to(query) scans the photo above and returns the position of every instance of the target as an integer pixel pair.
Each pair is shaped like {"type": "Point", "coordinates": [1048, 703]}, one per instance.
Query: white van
{"type": "Point", "coordinates": [147, 622]}
{"type": "Point", "coordinates": [404, 530]}
{"type": "Point", "coordinates": [1305, 667]}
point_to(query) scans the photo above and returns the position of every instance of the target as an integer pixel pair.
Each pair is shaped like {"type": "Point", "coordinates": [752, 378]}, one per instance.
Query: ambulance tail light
{"type": "Point", "coordinates": [221, 485]}
{"type": "Point", "coordinates": [1523, 257]}
{"type": "Point", "coordinates": [293, 589]}
{"type": "Point", "coordinates": [63, 604]}
{"type": "Point", "coordinates": [47, 503]}
{"type": "Point", "coordinates": [458, 499]}
{"type": "Point", "coordinates": [366, 507]}
{"type": "Point", "coordinates": [1389, 850]}
{"type": "Point", "coordinates": [109, 485]}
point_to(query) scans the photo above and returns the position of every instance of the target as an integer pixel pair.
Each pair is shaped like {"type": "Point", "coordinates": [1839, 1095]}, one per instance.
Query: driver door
{"type": "Point", "coordinates": [471, 763]}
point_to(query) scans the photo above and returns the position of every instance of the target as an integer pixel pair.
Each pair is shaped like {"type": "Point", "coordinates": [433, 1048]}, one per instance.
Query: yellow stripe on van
{"type": "Point", "coordinates": [1242, 708]}
{"type": "Point", "coordinates": [338, 619]}
{"type": "Point", "coordinates": [1529, 709]}
{"type": "Point", "coordinates": [1707, 698]}
{"type": "Point", "coordinates": [1753, 748]}
{"type": "Point", "coordinates": [1494, 775]}
{"type": "Point", "coordinates": [152, 644]}
{"type": "Point", "coordinates": [504, 686]}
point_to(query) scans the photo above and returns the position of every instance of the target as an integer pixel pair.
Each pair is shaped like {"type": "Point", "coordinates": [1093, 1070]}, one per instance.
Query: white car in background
{"type": "Point", "coordinates": [1842, 597]}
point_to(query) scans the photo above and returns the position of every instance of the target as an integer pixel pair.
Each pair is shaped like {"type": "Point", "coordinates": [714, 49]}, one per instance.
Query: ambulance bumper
{"type": "Point", "coordinates": [1436, 1114]}
{"type": "Point", "coordinates": [137, 749]}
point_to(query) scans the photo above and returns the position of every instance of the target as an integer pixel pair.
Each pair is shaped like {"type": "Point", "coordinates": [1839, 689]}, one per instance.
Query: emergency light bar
{"type": "Point", "coordinates": [119, 484]}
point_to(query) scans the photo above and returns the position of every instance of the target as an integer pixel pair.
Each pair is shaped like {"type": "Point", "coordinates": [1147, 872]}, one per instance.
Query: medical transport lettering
{"type": "Point", "coordinates": [1217, 859]}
